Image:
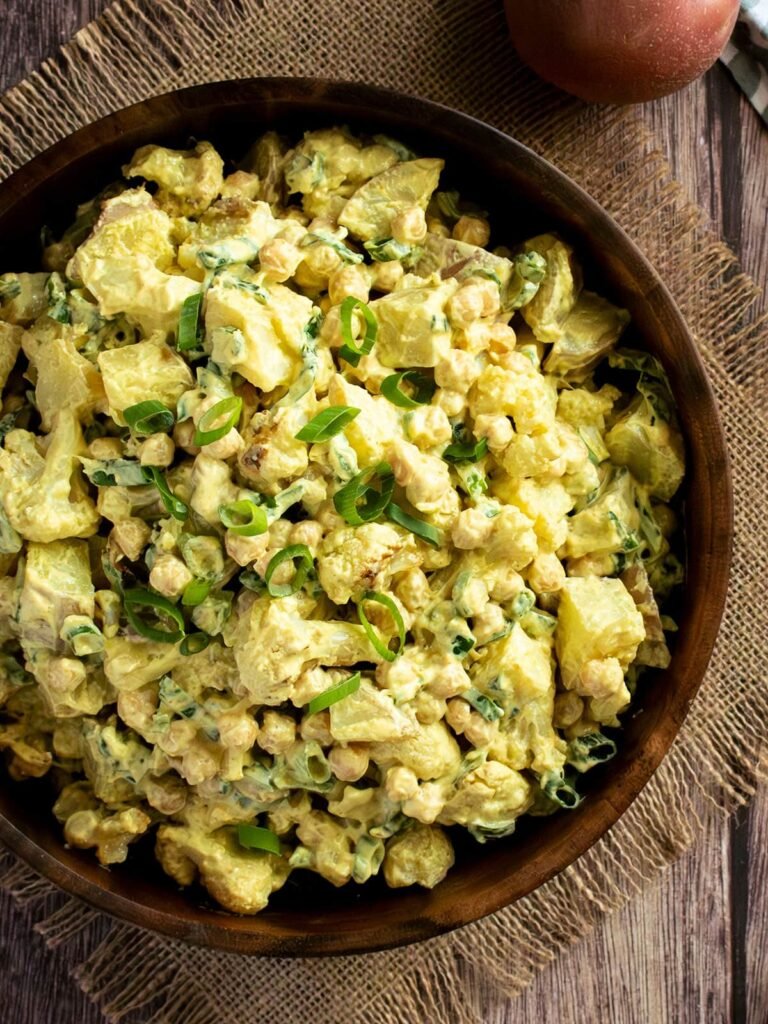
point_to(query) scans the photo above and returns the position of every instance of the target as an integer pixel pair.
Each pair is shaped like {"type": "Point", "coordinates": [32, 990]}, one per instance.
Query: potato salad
{"type": "Point", "coordinates": [331, 524]}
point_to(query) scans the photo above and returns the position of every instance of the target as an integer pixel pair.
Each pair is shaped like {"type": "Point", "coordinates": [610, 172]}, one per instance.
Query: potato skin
{"type": "Point", "coordinates": [620, 51]}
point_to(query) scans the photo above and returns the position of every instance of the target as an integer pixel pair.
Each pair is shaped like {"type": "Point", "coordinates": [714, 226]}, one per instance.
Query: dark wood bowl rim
{"type": "Point", "coordinates": [228, 932]}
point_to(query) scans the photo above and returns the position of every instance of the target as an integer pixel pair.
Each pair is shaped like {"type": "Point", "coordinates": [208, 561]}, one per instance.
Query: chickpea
{"type": "Point", "coordinates": [478, 731]}
{"type": "Point", "coordinates": [497, 430]}
{"type": "Point", "coordinates": [457, 715]}
{"type": "Point", "coordinates": [436, 227]}
{"type": "Point", "coordinates": [489, 294]}
{"type": "Point", "coordinates": [472, 529]}
{"type": "Point", "coordinates": [473, 230]}
{"type": "Point", "coordinates": [279, 258]}
{"type": "Point", "coordinates": [458, 370]}
{"type": "Point", "coordinates": [412, 588]}
{"type": "Point", "coordinates": [183, 436]}
{"type": "Point", "coordinates": [317, 727]}
{"type": "Point", "coordinates": [276, 733]}
{"type": "Point", "coordinates": [546, 574]}
{"type": "Point", "coordinates": [245, 550]}
{"type": "Point", "coordinates": [429, 709]}
{"type": "Point", "coordinates": [568, 709]}
{"type": "Point", "coordinates": [346, 281]}
{"type": "Point", "coordinates": [349, 763]}
{"type": "Point", "coordinates": [428, 426]}
{"type": "Point", "coordinates": [451, 402]}
{"type": "Point", "coordinates": [600, 677]}
{"type": "Point", "coordinates": [450, 682]}
{"type": "Point", "coordinates": [157, 450]}
{"type": "Point", "coordinates": [490, 622]}
{"type": "Point", "coordinates": [400, 783]}
{"type": "Point", "coordinates": [308, 532]}
{"type": "Point", "coordinates": [387, 275]}
{"type": "Point", "coordinates": [131, 536]}
{"type": "Point", "coordinates": [466, 305]}
{"type": "Point", "coordinates": [501, 341]}
{"type": "Point", "coordinates": [105, 448]}
{"type": "Point", "coordinates": [170, 576]}
{"type": "Point", "coordinates": [410, 226]}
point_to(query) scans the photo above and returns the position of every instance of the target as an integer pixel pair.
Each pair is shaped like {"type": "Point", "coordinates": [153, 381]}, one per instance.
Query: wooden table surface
{"type": "Point", "coordinates": [694, 948]}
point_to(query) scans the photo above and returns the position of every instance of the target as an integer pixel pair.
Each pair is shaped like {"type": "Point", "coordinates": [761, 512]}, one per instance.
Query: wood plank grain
{"type": "Point", "coordinates": [667, 956]}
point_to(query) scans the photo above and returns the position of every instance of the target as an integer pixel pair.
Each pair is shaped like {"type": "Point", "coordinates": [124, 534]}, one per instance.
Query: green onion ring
{"type": "Point", "coordinates": [350, 350]}
{"type": "Point", "coordinates": [206, 433]}
{"type": "Point", "coordinates": [357, 502]}
{"type": "Point", "coordinates": [149, 417]}
{"type": "Point", "coordinates": [173, 505]}
{"type": "Point", "coordinates": [291, 553]}
{"type": "Point", "coordinates": [194, 643]}
{"type": "Point", "coordinates": [141, 598]}
{"type": "Point", "coordinates": [244, 518]}
{"type": "Point", "coordinates": [424, 389]}
{"type": "Point", "coordinates": [334, 694]}
{"type": "Point", "coordinates": [397, 618]}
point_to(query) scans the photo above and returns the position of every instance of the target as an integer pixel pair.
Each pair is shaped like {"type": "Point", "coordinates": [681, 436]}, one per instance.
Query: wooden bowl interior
{"type": "Point", "coordinates": [524, 196]}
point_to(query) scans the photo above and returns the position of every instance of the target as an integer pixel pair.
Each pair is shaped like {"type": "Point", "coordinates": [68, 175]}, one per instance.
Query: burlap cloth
{"type": "Point", "coordinates": [454, 51]}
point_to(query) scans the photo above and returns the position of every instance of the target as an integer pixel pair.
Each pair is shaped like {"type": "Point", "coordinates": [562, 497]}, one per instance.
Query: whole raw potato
{"type": "Point", "coordinates": [620, 51]}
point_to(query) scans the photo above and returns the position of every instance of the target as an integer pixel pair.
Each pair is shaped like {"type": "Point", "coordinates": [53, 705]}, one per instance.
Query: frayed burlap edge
{"type": "Point", "coordinates": [144, 47]}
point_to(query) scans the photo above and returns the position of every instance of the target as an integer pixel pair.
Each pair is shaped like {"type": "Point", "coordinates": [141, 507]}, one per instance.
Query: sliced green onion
{"type": "Point", "coordinates": [488, 708]}
{"type": "Point", "coordinates": [195, 593]}
{"type": "Point", "coordinates": [357, 502]}
{"type": "Point", "coordinates": [327, 423]}
{"type": "Point", "coordinates": [334, 694]}
{"type": "Point", "coordinates": [426, 531]}
{"type": "Point", "coordinates": [206, 432]}
{"type": "Point", "coordinates": [140, 598]}
{"type": "Point", "coordinates": [173, 505]}
{"type": "Point", "coordinates": [350, 350]}
{"type": "Point", "coordinates": [448, 204]}
{"type": "Point", "coordinates": [188, 336]}
{"type": "Point", "coordinates": [194, 643]}
{"type": "Point", "coordinates": [252, 837]}
{"type": "Point", "coordinates": [465, 452]}
{"type": "Point", "coordinates": [387, 249]}
{"type": "Point", "coordinates": [244, 518]}
{"type": "Point", "coordinates": [387, 602]}
{"type": "Point", "coordinates": [323, 238]}
{"type": "Point", "coordinates": [150, 417]}
{"type": "Point", "coordinates": [289, 554]}
{"type": "Point", "coordinates": [424, 387]}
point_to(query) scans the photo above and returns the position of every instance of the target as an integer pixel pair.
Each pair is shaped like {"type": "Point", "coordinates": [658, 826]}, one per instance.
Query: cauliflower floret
{"type": "Point", "coordinates": [426, 479]}
{"type": "Point", "coordinates": [240, 880]}
{"type": "Point", "coordinates": [111, 834]}
{"type": "Point", "coordinates": [44, 498]}
{"type": "Point", "coordinates": [513, 540]}
{"type": "Point", "coordinates": [212, 487]}
{"type": "Point", "coordinates": [29, 758]}
{"type": "Point", "coordinates": [274, 643]}
{"type": "Point", "coordinates": [472, 529]}
{"type": "Point", "coordinates": [489, 799]}
{"type": "Point", "coordinates": [329, 845]}
{"type": "Point", "coordinates": [355, 559]}
{"type": "Point", "coordinates": [529, 398]}
{"type": "Point", "coordinates": [422, 855]}
{"type": "Point", "coordinates": [272, 455]}
{"type": "Point", "coordinates": [189, 180]}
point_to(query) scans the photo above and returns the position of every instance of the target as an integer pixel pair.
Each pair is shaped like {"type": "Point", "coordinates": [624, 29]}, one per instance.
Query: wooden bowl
{"type": "Point", "coordinates": [525, 195]}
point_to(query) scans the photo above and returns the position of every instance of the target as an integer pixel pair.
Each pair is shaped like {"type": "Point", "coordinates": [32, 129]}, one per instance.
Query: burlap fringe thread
{"type": "Point", "coordinates": [144, 47]}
